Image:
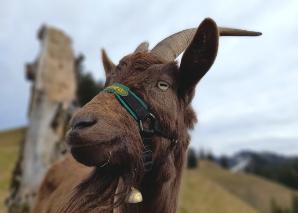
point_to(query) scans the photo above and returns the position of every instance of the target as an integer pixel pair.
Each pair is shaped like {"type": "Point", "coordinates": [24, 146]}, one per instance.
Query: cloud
{"type": "Point", "coordinates": [246, 100]}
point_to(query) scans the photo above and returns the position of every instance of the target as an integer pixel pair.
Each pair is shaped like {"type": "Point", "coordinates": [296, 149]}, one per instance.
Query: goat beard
{"type": "Point", "coordinates": [97, 192]}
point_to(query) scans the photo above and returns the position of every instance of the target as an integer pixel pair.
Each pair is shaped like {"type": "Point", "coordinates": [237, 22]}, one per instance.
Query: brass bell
{"type": "Point", "coordinates": [134, 196]}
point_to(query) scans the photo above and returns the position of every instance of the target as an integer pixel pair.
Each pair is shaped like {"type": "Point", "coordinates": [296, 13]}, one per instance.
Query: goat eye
{"type": "Point", "coordinates": [163, 85]}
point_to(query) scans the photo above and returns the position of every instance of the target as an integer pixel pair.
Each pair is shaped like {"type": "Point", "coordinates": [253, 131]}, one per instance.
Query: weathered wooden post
{"type": "Point", "coordinates": [53, 91]}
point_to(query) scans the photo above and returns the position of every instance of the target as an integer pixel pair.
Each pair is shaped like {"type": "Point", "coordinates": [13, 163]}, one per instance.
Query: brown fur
{"type": "Point", "coordinates": [114, 137]}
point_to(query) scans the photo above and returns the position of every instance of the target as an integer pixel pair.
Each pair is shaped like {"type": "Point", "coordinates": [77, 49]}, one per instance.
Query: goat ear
{"type": "Point", "coordinates": [143, 47]}
{"type": "Point", "coordinates": [108, 65]}
{"type": "Point", "coordinates": [198, 58]}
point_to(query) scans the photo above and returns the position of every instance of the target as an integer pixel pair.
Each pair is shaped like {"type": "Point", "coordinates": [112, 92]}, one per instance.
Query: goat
{"type": "Point", "coordinates": [142, 118]}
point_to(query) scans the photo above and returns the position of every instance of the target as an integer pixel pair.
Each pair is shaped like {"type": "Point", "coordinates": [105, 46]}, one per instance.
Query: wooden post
{"type": "Point", "coordinates": [52, 94]}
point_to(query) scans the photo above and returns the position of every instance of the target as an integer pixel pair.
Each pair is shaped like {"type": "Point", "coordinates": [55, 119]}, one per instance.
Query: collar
{"type": "Point", "coordinates": [148, 123]}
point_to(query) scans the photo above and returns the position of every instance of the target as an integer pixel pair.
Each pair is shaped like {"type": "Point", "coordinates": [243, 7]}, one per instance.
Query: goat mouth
{"type": "Point", "coordinates": [93, 155]}
{"type": "Point", "coordinates": [82, 145]}
{"type": "Point", "coordinates": [74, 141]}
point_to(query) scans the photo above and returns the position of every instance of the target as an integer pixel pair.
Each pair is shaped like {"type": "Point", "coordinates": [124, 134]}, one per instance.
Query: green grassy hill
{"type": "Point", "coordinates": [9, 148]}
{"type": "Point", "coordinates": [199, 194]}
{"type": "Point", "coordinates": [206, 189]}
{"type": "Point", "coordinates": [256, 192]}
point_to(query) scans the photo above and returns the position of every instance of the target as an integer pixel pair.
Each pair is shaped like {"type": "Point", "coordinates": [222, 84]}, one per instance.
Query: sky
{"type": "Point", "coordinates": [248, 99]}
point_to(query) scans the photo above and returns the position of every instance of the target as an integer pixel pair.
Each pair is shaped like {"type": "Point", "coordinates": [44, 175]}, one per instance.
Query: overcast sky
{"type": "Point", "coordinates": [248, 100]}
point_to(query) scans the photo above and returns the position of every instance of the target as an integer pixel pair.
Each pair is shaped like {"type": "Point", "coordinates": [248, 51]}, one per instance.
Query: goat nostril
{"type": "Point", "coordinates": [83, 122]}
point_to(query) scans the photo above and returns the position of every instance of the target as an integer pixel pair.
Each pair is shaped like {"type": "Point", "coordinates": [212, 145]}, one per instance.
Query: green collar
{"type": "Point", "coordinates": [128, 99]}
{"type": "Point", "coordinates": [140, 111]}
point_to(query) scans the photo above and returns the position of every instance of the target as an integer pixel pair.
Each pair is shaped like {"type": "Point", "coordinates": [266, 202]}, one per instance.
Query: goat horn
{"type": "Point", "coordinates": [171, 47]}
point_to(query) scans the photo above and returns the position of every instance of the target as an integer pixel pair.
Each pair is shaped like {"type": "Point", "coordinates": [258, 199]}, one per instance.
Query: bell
{"type": "Point", "coordinates": [134, 196]}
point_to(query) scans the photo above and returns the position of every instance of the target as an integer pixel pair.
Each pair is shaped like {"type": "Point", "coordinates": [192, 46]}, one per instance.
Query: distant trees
{"type": "Point", "coordinates": [283, 172]}
{"type": "Point", "coordinates": [206, 155]}
{"type": "Point", "coordinates": [210, 156]}
{"type": "Point", "coordinates": [202, 154]}
{"type": "Point", "coordinates": [192, 160]}
{"type": "Point", "coordinates": [224, 162]}
{"type": "Point", "coordinates": [87, 87]}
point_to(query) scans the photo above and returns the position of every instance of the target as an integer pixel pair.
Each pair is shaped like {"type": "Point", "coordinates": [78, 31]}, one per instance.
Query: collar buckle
{"type": "Point", "coordinates": [150, 120]}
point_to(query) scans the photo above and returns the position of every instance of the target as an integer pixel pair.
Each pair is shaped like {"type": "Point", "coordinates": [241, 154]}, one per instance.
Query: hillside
{"type": "Point", "coordinates": [9, 147]}
{"type": "Point", "coordinates": [255, 191]}
{"type": "Point", "coordinates": [198, 194]}
{"type": "Point", "coordinates": [207, 189]}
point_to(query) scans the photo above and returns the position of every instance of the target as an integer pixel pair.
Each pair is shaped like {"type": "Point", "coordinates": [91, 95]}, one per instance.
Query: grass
{"type": "Point", "coordinates": [207, 189]}
{"type": "Point", "coordinates": [9, 148]}
{"type": "Point", "coordinates": [255, 191]}
{"type": "Point", "coordinates": [199, 194]}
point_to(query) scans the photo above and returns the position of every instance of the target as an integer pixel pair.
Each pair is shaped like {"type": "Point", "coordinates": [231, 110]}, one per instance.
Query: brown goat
{"type": "Point", "coordinates": [107, 139]}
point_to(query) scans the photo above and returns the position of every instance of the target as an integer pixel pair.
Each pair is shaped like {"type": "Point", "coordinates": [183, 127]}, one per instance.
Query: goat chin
{"type": "Point", "coordinates": [90, 156]}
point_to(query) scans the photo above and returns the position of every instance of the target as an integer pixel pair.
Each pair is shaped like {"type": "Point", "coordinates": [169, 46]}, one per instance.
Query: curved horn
{"type": "Point", "coordinates": [171, 47]}
{"type": "Point", "coordinates": [225, 31]}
